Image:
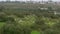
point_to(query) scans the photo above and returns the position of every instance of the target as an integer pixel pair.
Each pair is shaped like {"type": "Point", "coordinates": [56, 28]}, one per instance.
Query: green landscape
{"type": "Point", "coordinates": [29, 18]}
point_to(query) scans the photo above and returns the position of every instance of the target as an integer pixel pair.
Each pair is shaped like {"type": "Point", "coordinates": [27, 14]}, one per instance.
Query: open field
{"type": "Point", "coordinates": [1, 24]}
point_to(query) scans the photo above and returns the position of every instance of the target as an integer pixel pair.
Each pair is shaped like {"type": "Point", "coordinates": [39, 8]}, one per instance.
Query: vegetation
{"type": "Point", "coordinates": [28, 19]}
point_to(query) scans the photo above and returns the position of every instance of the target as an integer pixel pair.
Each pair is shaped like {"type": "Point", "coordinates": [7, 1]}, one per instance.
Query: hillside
{"type": "Point", "coordinates": [28, 18]}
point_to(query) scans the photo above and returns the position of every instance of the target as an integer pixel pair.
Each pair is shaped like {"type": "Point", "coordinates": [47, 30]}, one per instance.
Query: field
{"type": "Point", "coordinates": [1, 24]}
{"type": "Point", "coordinates": [21, 18]}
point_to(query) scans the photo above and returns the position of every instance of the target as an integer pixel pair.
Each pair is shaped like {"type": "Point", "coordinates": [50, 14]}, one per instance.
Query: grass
{"type": "Point", "coordinates": [35, 32]}
{"type": "Point", "coordinates": [2, 24]}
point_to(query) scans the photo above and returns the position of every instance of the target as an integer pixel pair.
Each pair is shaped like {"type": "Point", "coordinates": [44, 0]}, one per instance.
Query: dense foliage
{"type": "Point", "coordinates": [27, 20]}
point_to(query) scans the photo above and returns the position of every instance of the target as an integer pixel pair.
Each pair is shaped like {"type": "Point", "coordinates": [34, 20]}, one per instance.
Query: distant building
{"type": "Point", "coordinates": [44, 2]}
{"type": "Point", "coordinates": [43, 8]}
{"type": "Point", "coordinates": [8, 0]}
{"type": "Point", "coordinates": [51, 2]}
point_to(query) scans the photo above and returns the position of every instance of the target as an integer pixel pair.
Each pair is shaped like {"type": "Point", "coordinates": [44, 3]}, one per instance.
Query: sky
{"type": "Point", "coordinates": [32, 0]}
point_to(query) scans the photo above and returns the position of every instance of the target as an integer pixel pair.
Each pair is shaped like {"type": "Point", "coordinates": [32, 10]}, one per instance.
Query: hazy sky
{"type": "Point", "coordinates": [32, 0]}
